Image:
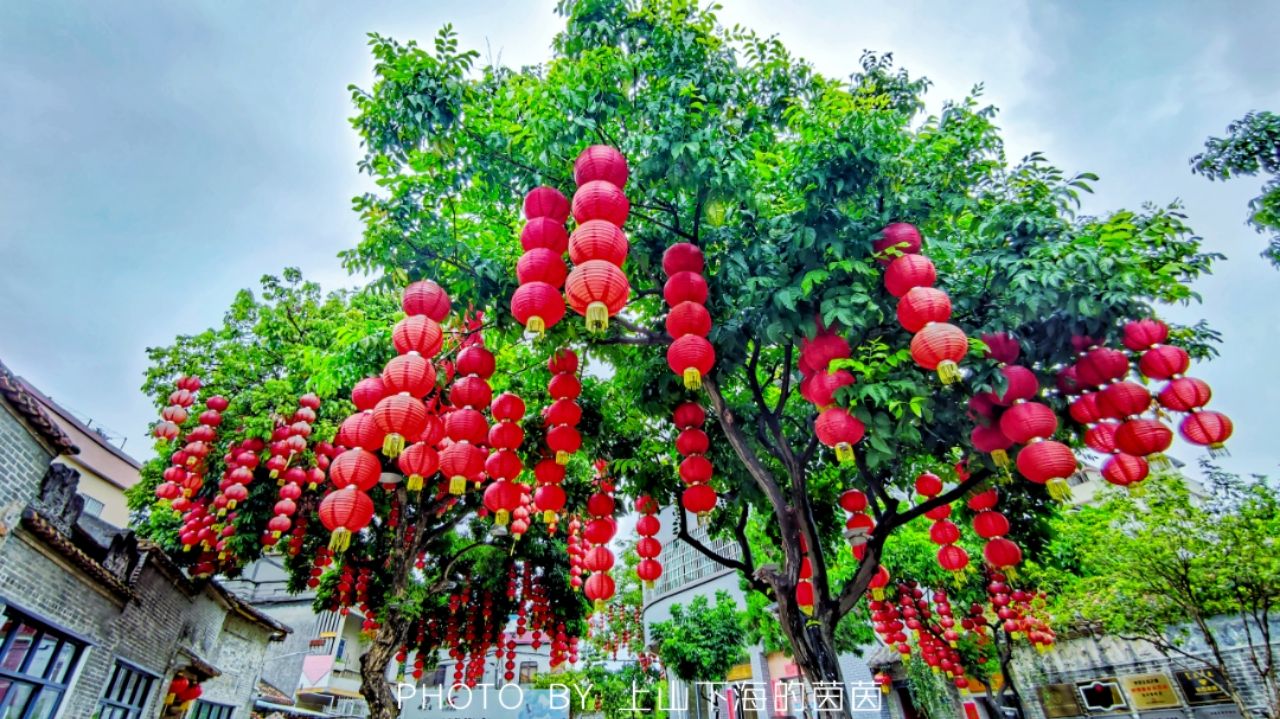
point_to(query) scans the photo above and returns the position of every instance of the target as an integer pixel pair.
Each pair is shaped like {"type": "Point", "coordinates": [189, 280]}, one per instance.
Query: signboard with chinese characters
{"type": "Point", "coordinates": [1060, 701]}
{"type": "Point", "coordinates": [1216, 711]}
{"type": "Point", "coordinates": [1202, 686]}
{"type": "Point", "coordinates": [1150, 691]}
{"type": "Point", "coordinates": [1102, 696]}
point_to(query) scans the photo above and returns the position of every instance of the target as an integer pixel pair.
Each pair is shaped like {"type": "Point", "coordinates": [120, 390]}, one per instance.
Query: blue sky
{"type": "Point", "coordinates": [156, 156]}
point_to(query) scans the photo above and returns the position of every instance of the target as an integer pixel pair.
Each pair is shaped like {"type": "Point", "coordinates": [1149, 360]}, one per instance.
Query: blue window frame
{"type": "Point", "coordinates": [36, 665]}
{"type": "Point", "coordinates": [127, 692]}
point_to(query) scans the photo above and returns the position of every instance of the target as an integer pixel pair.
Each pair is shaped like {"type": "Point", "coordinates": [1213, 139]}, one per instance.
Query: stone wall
{"type": "Point", "coordinates": [23, 460]}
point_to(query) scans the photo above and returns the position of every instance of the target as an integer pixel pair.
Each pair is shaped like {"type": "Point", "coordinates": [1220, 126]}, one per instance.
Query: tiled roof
{"type": "Point", "coordinates": [31, 409]}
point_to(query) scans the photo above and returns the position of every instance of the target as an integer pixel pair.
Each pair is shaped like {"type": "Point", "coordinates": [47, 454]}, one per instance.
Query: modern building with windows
{"type": "Point", "coordinates": [95, 622]}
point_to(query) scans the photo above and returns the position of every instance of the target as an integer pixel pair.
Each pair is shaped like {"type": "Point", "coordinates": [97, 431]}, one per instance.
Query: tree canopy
{"type": "Point", "coordinates": [1251, 147]}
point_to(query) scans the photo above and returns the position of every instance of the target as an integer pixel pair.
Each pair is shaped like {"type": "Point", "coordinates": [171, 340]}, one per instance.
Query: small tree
{"type": "Point", "coordinates": [1162, 567]}
{"type": "Point", "coordinates": [701, 642]}
{"type": "Point", "coordinates": [1251, 147]}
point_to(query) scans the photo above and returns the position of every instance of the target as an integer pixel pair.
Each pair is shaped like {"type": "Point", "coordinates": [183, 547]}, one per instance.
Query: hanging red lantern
{"type": "Point", "coordinates": [564, 441]}
{"type": "Point", "coordinates": [1102, 365]}
{"type": "Point", "coordinates": [691, 357]}
{"type": "Point", "coordinates": [597, 290]}
{"type": "Point", "coordinates": [506, 435]}
{"type": "Point", "coordinates": [692, 441]}
{"type": "Point", "coordinates": [649, 570]}
{"type": "Point", "coordinates": [461, 462]}
{"type": "Point", "coordinates": [1123, 399]}
{"type": "Point", "coordinates": [598, 559]}
{"type": "Point", "coordinates": [899, 238]}
{"type": "Point", "coordinates": [600, 200]}
{"type": "Point", "coordinates": [599, 589]}
{"type": "Point", "coordinates": [598, 240]}
{"type": "Point", "coordinates": [367, 392]}
{"type": "Point", "coordinates": [600, 162]}
{"type": "Point", "coordinates": [546, 202]}
{"type": "Point", "coordinates": [1002, 554]}
{"type": "Point", "coordinates": [410, 374]}
{"type": "Point", "coordinates": [470, 391]}
{"type": "Point", "coordinates": [1048, 462]}
{"type": "Point", "coordinates": [952, 558]}
{"type": "Point", "coordinates": [399, 416]}
{"type": "Point", "coordinates": [688, 318]}
{"type": "Point", "coordinates": [562, 411]}
{"type": "Point", "coordinates": [853, 500]}
{"type": "Point", "coordinates": [425, 297]}
{"type": "Point", "coordinates": [1142, 437]}
{"type": "Point", "coordinates": [1124, 470]}
{"type": "Point", "coordinates": [990, 524]}
{"type": "Point", "coordinates": [507, 407]}
{"type": "Point", "coordinates": [922, 305]}
{"type": "Point", "coordinates": [689, 414]}
{"type": "Point", "coordinates": [1164, 362]}
{"type": "Point", "coordinates": [361, 430]}
{"type": "Point", "coordinates": [1102, 437]}
{"type": "Point", "coordinates": [1026, 421]}
{"type": "Point", "coordinates": [541, 265]}
{"type": "Point", "coordinates": [907, 272]}
{"type": "Point", "coordinates": [417, 333]}
{"type": "Point", "coordinates": [699, 499]}
{"type": "Point", "coordinates": [928, 484]}
{"type": "Point", "coordinates": [1184, 394]}
{"type": "Point", "coordinates": [550, 499]}
{"type": "Point", "coordinates": [838, 429]}
{"type": "Point", "coordinates": [1002, 347]}
{"type": "Point", "coordinates": [940, 346]}
{"type": "Point", "coordinates": [1020, 384]}
{"type": "Point", "coordinates": [1207, 428]}
{"type": "Point", "coordinates": [545, 233]}
{"type": "Point", "coordinates": [537, 306]}
{"type": "Point", "coordinates": [503, 464]}
{"type": "Point", "coordinates": [344, 513]}
{"type": "Point", "coordinates": [417, 462]}
{"type": "Point", "coordinates": [355, 468]}
{"type": "Point", "coordinates": [991, 440]}
{"type": "Point", "coordinates": [696, 469]}
{"type": "Point", "coordinates": [683, 257]}
{"type": "Point", "coordinates": [944, 531]}
{"type": "Point", "coordinates": [1085, 410]}
{"type": "Point", "coordinates": [502, 497]}
{"type": "Point", "coordinates": [685, 287]}
{"type": "Point", "coordinates": [804, 596]}
{"type": "Point", "coordinates": [1144, 334]}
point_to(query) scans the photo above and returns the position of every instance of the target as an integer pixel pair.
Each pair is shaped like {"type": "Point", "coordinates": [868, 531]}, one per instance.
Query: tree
{"type": "Point", "coordinates": [783, 178]}
{"type": "Point", "coordinates": [426, 562]}
{"type": "Point", "coordinates": [701, 642]}
{"type": "Point", "coordinates": [1166, 567]}
{"type": "Point", "coordinates": [1252, 146]}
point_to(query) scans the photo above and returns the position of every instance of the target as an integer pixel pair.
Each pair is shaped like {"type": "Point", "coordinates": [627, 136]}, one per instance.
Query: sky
{"type": "Point", "coordinates": [155, 157]}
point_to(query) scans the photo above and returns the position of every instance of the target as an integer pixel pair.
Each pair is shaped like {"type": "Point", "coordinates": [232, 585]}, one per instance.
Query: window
{"type": "Point", "coordinates": [126, 694]}
{"type": "Point", "coordinates": [36, 663]}
{"type": "Point", "coordinates": [209, 710]}
{"type": "Point", "coordinates": [527, 672]}
{"type": "Point", "coordinates": [92, 507]}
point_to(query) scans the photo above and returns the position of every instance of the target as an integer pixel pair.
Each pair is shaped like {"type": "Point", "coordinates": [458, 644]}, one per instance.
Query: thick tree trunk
{"type": "Point", "coordinates": [813, 640]}
{"type": "Point", "coordinates": [373, 672]}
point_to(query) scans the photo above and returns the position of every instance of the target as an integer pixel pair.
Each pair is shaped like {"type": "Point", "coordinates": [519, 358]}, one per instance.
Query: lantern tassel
{"type": "Point", "coordinates": [562, 457]}
{"type": "Point", "coordinates": [844, 453]}
{"type": "Point", "coordinates": [878, 594]}
{"type": "Point", "coordinates": [340, 539]}
{"type": "Point", "coordinates": [393, 445]}
{"type": "Point", "coordinates": [1059, 490]}
{"type": "Point", "coordinates": [536, 325]}
{"type": "Point", "coordinates": [648, 584]}
{"type": "Point", "coordinates": [692, 378]}
{"type": "Point", "coordinates": [549, 517]}
{"type": "Point", "coordinates": [597, 317]}
{"type": "Point", "coordinates": [1001, 458]}
{"type": "Point", "coordinates": [1137, 489]}
{"type": "Point", "coordinates": [948, 371]}
{"type": "Point", "coordinates": [501, 517]}
{"type": "Point", "coordinates": [1160, 462]}
{"type": "Point", "coordinates": [457, 484]}
{"type": "Point", "coordinates": [807, 609]}
{"type": "Point", "coordinates": [1218, 449]}
{"type": "Point", "coordinates": [414, 483]}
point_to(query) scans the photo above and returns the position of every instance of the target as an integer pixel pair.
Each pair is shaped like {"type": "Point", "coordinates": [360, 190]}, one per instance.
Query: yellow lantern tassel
{"type": "Point", "coordinates": [1218, 449]}
{"type": "Point", "coordinates": [501, 517]}
{"type": "Point", "coordinates": [692, 378]}
{"type": "Point", "coordinates": [414, 483]}
{"type": "Point", "coordinates": [878, 594]}
{"type": "Point", "coordinates": [704, 518]}
{"type": "Point", "coordinates": [648, 584]}
{"type": "Point", "coordinates": [340, 539]}
{"type": "Point", "coordinates": [597, 317]}
{"type": "Point", "coordinates": [457, 484]}
{"type": "Point", "coordinates": [536, 325]}
{"type": "Point", "coordinates": [599, 605]}
{"type": "Point", "coordinates": [844, 453]}
{"type": "Point", "coordinates": [807, 609]}
{"type": "Point", "coordinates": [1001, 458]}
{"type": "Point", "coordinates": [1059, 490]}
{"type": "Point", "coordinates": [884, 688]}
{"type": "Point", "coordinates": [168, 698]}
{"type": "Point", "coordinates": [393, 445]}
{"type": "Point", "coordinates": [549, 517]}
{"type": "Point", "coordinates": [562, 457]}
{"type": "Point", "coordinates": [1160, 462]}
{"type": "Point", "coordinates": [948, 371]}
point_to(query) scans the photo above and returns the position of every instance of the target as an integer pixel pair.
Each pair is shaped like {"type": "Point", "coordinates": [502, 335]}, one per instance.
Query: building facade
{"type": "Point", "coordinates": [93, 621]}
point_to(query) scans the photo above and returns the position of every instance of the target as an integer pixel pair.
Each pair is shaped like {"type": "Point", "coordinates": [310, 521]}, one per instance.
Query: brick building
{"type": "Point", "coordinates": [93, 621]}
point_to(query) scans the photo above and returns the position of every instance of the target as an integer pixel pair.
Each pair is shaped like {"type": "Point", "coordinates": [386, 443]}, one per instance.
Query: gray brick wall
{"type": "Point", "coordinates": [23, 460]}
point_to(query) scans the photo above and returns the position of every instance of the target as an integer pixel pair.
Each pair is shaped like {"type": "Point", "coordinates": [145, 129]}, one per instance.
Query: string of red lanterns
{"type": "Point", "coordinates": [922, 309]}
{"type": "Point", "coordinates": [690, 355]}
{"type": "Point", "coordinates": [537, 303]}
{"type": "Point", "coordinates": [597, 288]}
{"type": "Point", "coordinates": [699, 497]}
{"type": "Point", "coordinates": [648, 548]}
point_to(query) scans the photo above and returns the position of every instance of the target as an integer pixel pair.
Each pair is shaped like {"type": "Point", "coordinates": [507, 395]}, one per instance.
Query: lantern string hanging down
{"type": "Point", "coordinates": [537, 303]}
{"type": "Point", "coordinates": [648, 548]}
{"type": "Point", "coordinates": [690, 355]}
{"type": "Point", "coordinates": [597, 288]}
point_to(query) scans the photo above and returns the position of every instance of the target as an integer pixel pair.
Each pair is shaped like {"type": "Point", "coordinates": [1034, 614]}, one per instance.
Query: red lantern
{"type": "Point", "coordinates": [922, 305]}
{"type": "Point", "coordinates": [563, 411]}
{"type": "Point", "coordinates": [909, 271]}
{"type": "Point", "coordinates": [502, 498]}
{"type": "Point", "coordinates": [696, 469]}
{"type": "Point", "coordinates": [1002, 347]}
{"type": "Point", "coordinates": [989, 525]}
{"type": "Point", "coordinates": [1102, 365]}
{"type": "Point", "coordinates": [1125, 469]}
{"type": "Point", "coordinates": [355, 468]}
{"type": "Point", "coordinates": [461, 462]}
{"type": "Point", "coordinates": [821, 388]}
{"type": "Point", "coordinates": [1002, 553]}
{"type": "Point", "coordinates": [1142, 437]}
{"type": "Point", "coordinates": [1020, 384]}
{"type": "Point", "coordinates": [417, 462]}
{"type": "Point", "coordinates": [944, 531]}
{"type": "Point", "coordinates": [545, 233]}
{"type": "Point", "coordinates": [506, 435]}
{"type": "Point", "coordinates": [598, 559]}
{"type": "Point", "coordinates": [537, 306]}
{"type": "Point", "coordinates": [992, 441]}
{"type": "Point", "coordinates": [984, 501]}
{"type": "Point", "coordinates": [466, 425]}
{"type": "Point", "coordinates": [1102, 437]}
{"type": "Point", "coordinates": [853, 500]}
{"type": "Point", "coordinates": [692, 441]}
{"type": "Point", "coordinates": [597, 290]}
{"type": "Point", "coordinates": [417, 333]}
{"type": "Point", "coordinates": [1164, 362]}
{"type": "Point", "coordinates": [1123, 399]}
{"type": "Point", "coordinates": [600, 162]}
{"type": "Point", "coordinates": [682, 257]}
{"type": "Point", "coordinates": [546, 202]}
{"type": "Point", "coordinates": [549, 498]}
{"type": "Point", "coordinates": [367, 392]}
{"type": "Point", "coordinates": [600, 200]}
{"type": "Point", "coordinates": [691, 357]}
{"type": "Point", "coordinates": [688, 318]}
{"type": "Point", "coordinates": [1085, 409]}
{"type": "Point", "coordinates": [902, 237]}
{"type": "Point", "coordinates": [434, 431]}
{"type": "Point", "coordinates": [928, 484]}
{"type": "Point", "coordinates": [804, 596]}
{"type": "Point", "coordinates": [1145, 334]}
{"type": "Point", "coordinates": [564, 441]}
{"type": "Point", "coordinates": [1048, 462]}
{"type": "Point", "coordinates": [507, 406]}
{"type": "Point", "coordinates": [598, 240]}
{"type": "Point", "coordinates": [952, 558]}
{"type": "Point", "coordinates": [361, 430]}
{"type": "Point", "coordinates": [343, 513]}
{"type": "Point", "coordinates": [1207, 428]}
{"type": "Point", "coordinates": [649, 570]}
{"type": "Point", "coordinates": [685, 287]}
{"type": "Point", "coordinates": [599, 589]}
{"type": "Point", "coordinates": [426, 298]}
{"type": "Point", "coordinates": [940, 346]}
{"type": "Point", "coordinates": [548, 471]}
{"type": "Point", "coordinates": [541, 265]}
{"type": "Point", "coordinates": [400, 417]}
{"type": "Point", "coordinates": [410, 374]}
{"type": "Point", "coordinates": [503, 464]}
{"type": "Point", "coordinates": [1184, 394]}
{"type": "Point", "coordinates": [470, 391]}
{"type": "Point", "coordinates": [838, 429]}
{"type": "Point", "coordinates": [1024, 422]}
{"type": "Point", "coordinates": [647, 526]}
{"type": "Point", "coordinates": [699, 499]}
{"type": "Point", "coordinates": [689, 414]}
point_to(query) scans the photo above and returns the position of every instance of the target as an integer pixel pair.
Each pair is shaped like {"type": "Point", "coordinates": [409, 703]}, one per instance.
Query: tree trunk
{"type": "Point", "coordinates": [373, 672]}
{"type": "Point", "coordinates": [813, 639]}
{"type": "Point", "coordinates": [1005, 653]}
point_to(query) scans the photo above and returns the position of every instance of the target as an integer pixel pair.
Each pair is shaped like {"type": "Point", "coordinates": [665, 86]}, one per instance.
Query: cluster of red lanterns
{"type": "Point", "coordinates": [597, 288]}
{"type": "Point", "coordinates": [564, 413]}
{"type": "Point", "coordinates": [292, 481]}
{"type": "Point", "coordinates": [537, 303]}
{"type": "Point", "coordinates": [576, 550]}
{"type": "Point", "coordinates": [690, 355]}
{"type": "Point", "coordinates": [836, 427]}
{"type": "Point", "coordinates": [465, 457]}
{"type": "Point", "coordinates": [923, 310]}
{"type": "Point", "coordinates": [598, 559]}
{"type": "Point", "coordinates": [1019, 612]}
{"type": "Point", "coordinates": [936, 636]}
{"type": "Point", "coordinates": [502, 496]}
{"type": "Point", "coordinates": [699, 496]}
{"type": "Point", "coordinates": [175, 414]}
{"type": "Point", "coordinates": [859, 524]}
{"type": "Point", "coordinates": [1000, 553]}
{"type": "Point", "coordinates": [1165, 362]}
{"type": "Point", "coordinates": [182, 691]}
{"type": "Point", "coordinates": [648, 548]}
{"type": "Point", "coordinates": [804, 585]}
{"type": "Point", "coordinates": [951, 556]}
